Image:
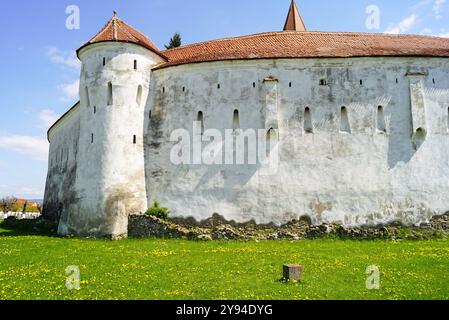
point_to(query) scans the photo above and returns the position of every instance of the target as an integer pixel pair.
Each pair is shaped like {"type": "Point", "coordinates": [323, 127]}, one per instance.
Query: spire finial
{"type": "Point", "coordinates": [115, 13]}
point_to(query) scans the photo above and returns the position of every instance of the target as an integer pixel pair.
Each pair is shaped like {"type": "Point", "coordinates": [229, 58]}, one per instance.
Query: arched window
{"type": "Point", "coordinates": [200, 119]}
{"type": "Point", "coordinates": [110, 95]}
{"type": "Point", "coordinates": [139, 96]}
{"type": "Point", "coordinates": [345, 127]}
{"type": "Point", "coordinates": [381, 125]}
{"type": "Point", "coordinates": [308, 124]}
{"type": "Point", "coordinates": [86, 92]}
{"type": "Point", "coordinates": [236, 120]}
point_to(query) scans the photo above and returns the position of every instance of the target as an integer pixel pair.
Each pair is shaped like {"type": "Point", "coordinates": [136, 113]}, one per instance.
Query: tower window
{"type": "Point", "coordinates": [361, 82]}
{"type": "Point", "coordinates": [345, 127]}
{"type": "Point", "coordinates": [149, 116]}
{"type": "Point", "coordinates": [139, 96]}
{"type": "Point", "coordinates": [448, 118]}
{"type": "Point", "coordinates": [200, 119]}
{"type": "Point", "coordinates": [163, 89]}
{"type": "Point", "coordinates": [236, 120]}
{"type": "Point", "coordinates": [308, 125]}
{"type": "Point", "coordinates": [290, 84]}
{"type": "Point", "coordinates": [86, 92]}
{"type": "Point", "coordinates": [381, 125]}
{"type": "Point", "coordinates": [397, 80]}
{"type": "Point", "coordinates": [323, 82]}
{"type": "Point", "coordinates": [254, 84]}
{"type": "Point", "coordinates": [110, 95]}
{"type": "Point", "coordinates": [95, 109]}
{"type": "Point", "coordinates": [104, 61]}
{"type": "Point", "coordinates": [218, 86]}
{"type": "Point", "coordinates": [433, 80]}
{"type": "Point", "coordinates": [92, 138]}
{"type": "Point", "coordinates": [135, 64]}
{"type": "Point", "coordinates": [183, 89]}
{"type": "Point", "coordinates": [134, 139]}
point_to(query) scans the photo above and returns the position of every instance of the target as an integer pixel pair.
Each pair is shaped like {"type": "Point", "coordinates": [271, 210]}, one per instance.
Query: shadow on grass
{"type": "Point", "coordinates": [13, 227]}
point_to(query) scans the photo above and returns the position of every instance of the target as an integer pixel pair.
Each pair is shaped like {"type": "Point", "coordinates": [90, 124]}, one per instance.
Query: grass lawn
{"type": "Point", "coordinates": [33, 267]}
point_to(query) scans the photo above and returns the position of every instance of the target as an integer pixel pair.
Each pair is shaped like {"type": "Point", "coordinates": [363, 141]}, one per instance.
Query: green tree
{"type": "Point", "coordinates": [175, 41]}
{"type": "Point", "coordinates": [7, 204]}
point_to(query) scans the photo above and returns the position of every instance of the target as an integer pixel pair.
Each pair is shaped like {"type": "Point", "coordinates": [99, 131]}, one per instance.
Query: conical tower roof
{"type": "Point", "coordinates": [294, 21]}
{"type": "Point", "coordinates": [117, 30]}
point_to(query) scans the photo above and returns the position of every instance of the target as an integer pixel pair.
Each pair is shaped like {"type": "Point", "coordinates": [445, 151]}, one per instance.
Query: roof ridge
{"type": "Point", "coordinates": [348, 33]}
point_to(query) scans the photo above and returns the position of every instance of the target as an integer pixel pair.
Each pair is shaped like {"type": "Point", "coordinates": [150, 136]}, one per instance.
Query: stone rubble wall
{"type": "Point", "coordinates": [216, 228]}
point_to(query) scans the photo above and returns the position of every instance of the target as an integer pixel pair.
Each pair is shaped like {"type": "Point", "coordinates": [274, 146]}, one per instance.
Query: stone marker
{"type": "Point", "coordinates": [293, 272]}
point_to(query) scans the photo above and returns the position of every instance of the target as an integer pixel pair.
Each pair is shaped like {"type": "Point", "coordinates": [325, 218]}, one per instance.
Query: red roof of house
{"type": "Point", "coordinates": [117, 30]}
{"type": "Point", "coordinates": [293, 44]}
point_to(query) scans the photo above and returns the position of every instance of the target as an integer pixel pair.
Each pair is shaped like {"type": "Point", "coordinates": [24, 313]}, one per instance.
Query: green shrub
{"type": "Point", "coordinates": [157, 211]}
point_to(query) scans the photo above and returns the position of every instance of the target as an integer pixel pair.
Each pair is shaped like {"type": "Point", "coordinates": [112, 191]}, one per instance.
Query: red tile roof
{"type": "Point", "coordinates": [293, 44]}
{"type": "Point", "coordinates": [119, 31]}
{"type": "Point", "coordinates": [294, 21]}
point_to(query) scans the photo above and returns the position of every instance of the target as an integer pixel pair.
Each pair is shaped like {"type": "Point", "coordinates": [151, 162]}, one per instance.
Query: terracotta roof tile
{"type": "Point", "coordinates": [119, 31]}
{"type": "Point", "coordinates": [293, 44]}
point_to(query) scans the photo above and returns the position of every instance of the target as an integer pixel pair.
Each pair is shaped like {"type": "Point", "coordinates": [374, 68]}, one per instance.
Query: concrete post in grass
{"type": "Point", "coordinates": [293, 273]}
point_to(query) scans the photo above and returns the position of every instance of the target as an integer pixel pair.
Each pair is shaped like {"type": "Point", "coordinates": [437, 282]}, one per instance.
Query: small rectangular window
{"type": "Point", "coordinates": [92, 138]}
{"type": "Point", "coordinates": [134, 139]}
{"type": "Point", "coordinates": [104, 62]}
{"type": "Point", "coordinates": [135, 64]}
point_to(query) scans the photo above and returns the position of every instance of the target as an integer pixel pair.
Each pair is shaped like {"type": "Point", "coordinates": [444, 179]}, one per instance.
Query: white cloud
{"type": "Point", "coordinates": [403, 26]}
{"type": "Point", "coordinates": [47, 118]}
{"type": "Point", "coordinates": [444, 35]}
{"type": "Point", "coordinates": [65, 59]}
{"type": "Point", "coordinates": [437, 8]}
{"type": "Point", "coordinates": [34, 147]}
{"type": "Point", "coordinates": [70, 91]}
{"type": "Point", "coordinates": [29, 192]}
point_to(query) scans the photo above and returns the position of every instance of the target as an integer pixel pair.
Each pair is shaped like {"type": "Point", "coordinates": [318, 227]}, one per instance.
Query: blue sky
{"type": "Point", "coordinates": [39, 70]}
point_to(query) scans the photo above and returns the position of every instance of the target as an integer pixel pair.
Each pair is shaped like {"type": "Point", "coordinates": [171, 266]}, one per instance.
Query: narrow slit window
{"type": "Point", "coordinates": [135, 64]}
{"type": "Point", "coordinates": [289, 84]}
{"type": "Point", "coordinates": [110, 95]}
{"type": "Point", "coordinates": [397, 80]}
{"type": "Point", "coordinates": [218, 86]}
{"type": "Point", "coordinates": [163, 89]}
{"type": "Point", "coordinates": [95, 109]}
{"type": "Point", "coordinates": [308, 125]}
{"type": "Point", "coordinates": [448, 118]}
{"type": "Point", "coordinates": [200, 119]}
{"type": "Point", "coordinates": [183, 89]}
{"type": "Point", "coordinates": [361, 82]}
{"type": "Point", "coordinates": [381, 125]}
{"type": "Point", "coordinates": [86, 92]}
{"type": "Point", "coordinates": [254, 84]}
{"type": "Point", "coordinates": [92, 138]}
{"type": "Point", "coordinates": [139, 96]}
{"type": "Point", "coordinates": [149, 115]}
{"type": "Point", "coordinates": [104, 61]}
{"type": "Point", "coordinates": [344, 121]}
{"type": "Point", "coordinates": [236, 120]}
{"type": "Point", "coordinates": [134, 139]}
{"type": "Point", "coordinates": [433, 80]}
